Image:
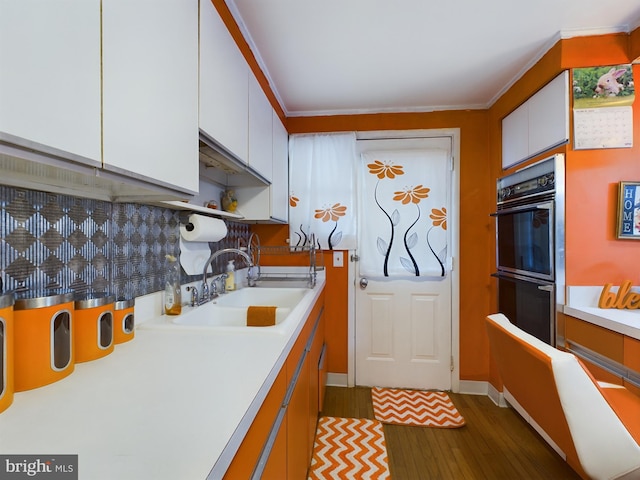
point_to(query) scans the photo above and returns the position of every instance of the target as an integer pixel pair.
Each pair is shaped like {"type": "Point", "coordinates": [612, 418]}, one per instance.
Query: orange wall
{"type": "Point", "coordinates": [594, 256]}
{"type": "Point", "coordinates": [634, 44]}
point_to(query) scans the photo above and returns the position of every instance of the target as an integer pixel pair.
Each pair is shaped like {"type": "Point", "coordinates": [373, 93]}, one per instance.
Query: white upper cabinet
{"type": "Point", "coordinates": [280, 181]}
{"type": "Point", "coordinates": [515, 136]}
{"type": "Point", "coordinates": [541, 123]}
{"type": "Point", "coordinates": [260, 130]}
{"type": "Point", "coordinates": [224, 85]}
{"type": "Point", "coordinates": [50, 77]}
{"type": "Point", "coordinates": [549, 115]}
{"type": "Point", "coordinates": [150, 90]}
{"type": "Point", "coordinates": [109, 84]}
{"type": "Point", "coordinates": [269, 203]}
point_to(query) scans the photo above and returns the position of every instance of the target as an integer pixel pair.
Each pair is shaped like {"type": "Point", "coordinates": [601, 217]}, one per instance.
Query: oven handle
{"type": "Point", "coordinates": [545, 285]}
{"type": "Point", "coordinates": [507, 211]}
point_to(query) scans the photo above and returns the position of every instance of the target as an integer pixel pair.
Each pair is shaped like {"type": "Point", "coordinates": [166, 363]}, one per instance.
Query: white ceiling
{"type": "Point", "coordinates": [357, 56]}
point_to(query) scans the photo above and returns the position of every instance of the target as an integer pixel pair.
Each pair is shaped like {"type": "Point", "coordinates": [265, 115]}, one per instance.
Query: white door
{"type": "Point", "coordinates": [403, 281]}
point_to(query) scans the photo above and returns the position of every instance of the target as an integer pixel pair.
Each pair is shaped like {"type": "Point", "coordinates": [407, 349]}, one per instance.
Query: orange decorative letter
{"type": "Point", "coordinates": [623, 299]}
{"type": "Point", "coordinates": [607, 298]}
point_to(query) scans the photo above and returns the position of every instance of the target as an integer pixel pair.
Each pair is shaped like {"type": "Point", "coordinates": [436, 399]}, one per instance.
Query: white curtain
{"type": "Point", "coordinates": [403, 223]}
{"type": "Point", "coordinates": [322, 190]}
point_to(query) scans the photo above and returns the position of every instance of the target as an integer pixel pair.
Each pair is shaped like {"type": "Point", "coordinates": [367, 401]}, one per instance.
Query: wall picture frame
{"type": "Point", "coordinates": [628, 218]}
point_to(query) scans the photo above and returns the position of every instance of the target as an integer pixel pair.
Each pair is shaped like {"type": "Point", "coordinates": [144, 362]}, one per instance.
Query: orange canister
{"type": "Point", "coordinates": [42, 338]}
{"type": "Point", "coordinates": [6, 350]}
{"type": "Point", "coordinates": [93, 329]}
{"type": "Point", "coordinates": [123, 320]}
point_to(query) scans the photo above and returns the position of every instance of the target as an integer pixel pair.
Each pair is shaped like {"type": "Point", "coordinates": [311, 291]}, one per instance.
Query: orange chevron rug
{"type": "Point", "coordinates": [349, 449]}
{"type": "Point", "coordinates": [415, 407]}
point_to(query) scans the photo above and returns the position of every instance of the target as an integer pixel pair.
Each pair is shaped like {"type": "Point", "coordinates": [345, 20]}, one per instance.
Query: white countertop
{"type": "Point", "coordinates": [582, 303]}
{"type": "Point", "coordinates": [169, 404]}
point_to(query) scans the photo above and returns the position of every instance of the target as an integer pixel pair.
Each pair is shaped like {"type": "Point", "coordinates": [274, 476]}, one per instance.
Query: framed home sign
{"type": "Point", "coordinates": [628, 221]}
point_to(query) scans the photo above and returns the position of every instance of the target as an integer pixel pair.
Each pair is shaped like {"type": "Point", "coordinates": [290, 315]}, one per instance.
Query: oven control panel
{"type": "Point", "coordinates": [542, 183]}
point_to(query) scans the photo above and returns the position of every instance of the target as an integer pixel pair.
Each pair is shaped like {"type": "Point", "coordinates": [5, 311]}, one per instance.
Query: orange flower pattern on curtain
{"type": "Point", "coordinates": [439, 217]}
{"type": "Point", "coordinates": [384, 170]}
{"type": "Point", "coordinates": [332, 213]}
{"type": "Point", "coordinates": [403, 208]}
{"type": "Point", "coordinates": [411, 195]}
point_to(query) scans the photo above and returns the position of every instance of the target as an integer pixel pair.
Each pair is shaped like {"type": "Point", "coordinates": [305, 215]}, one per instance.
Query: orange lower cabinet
{"type": "Point", "coordinates": [632, 361]}
{"type": "Point", "coordinates": [276, 465]}
{"type": "Point", "coordinates": [279, 443]}
{"type": "Point", "coordinates": [322, 377]}
{"type": "Point", "coordinates": [596, 338]}
{"type": "Point", "coordinates": [298, 426]}
{"type": "Point", "coordinates": [315, 352]}
{"type": "Point", "coordinates": [632, 354]}
{"type": "Point", "coordinates": [251, 447]}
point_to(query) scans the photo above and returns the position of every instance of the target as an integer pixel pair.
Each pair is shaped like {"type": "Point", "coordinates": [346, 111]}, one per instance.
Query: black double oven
{"type": "Point", "coordinates": [530, 246]}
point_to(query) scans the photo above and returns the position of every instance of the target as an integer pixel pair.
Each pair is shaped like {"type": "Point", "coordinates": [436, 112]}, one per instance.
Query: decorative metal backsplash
{"type": "Point", "coordinates": [58, 241]}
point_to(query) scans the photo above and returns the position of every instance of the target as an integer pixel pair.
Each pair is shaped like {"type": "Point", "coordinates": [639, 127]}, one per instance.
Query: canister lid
{"type": "Point", "coordinates": [6, 299]}
{"type": "Point", "coordinates": [122, 304]}
{"type": "Point", "coordinates": [93, 299]}
{"type": "Point", "coordinates": [42, 298]}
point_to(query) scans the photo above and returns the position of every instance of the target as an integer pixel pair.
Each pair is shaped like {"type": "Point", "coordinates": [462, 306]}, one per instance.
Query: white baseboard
{"type": "Point", "coordinates": [497, 397]}
{"type": "Point", "coordinates": [467, 387]}
{"type": "Point", "coordinates": [337, 379]}
{"type": "Point", "coordinates": [472, 387]}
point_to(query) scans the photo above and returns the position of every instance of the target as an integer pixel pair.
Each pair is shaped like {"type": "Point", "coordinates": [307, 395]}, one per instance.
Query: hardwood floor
{"type": "Point", "coordinates": [495, 444]}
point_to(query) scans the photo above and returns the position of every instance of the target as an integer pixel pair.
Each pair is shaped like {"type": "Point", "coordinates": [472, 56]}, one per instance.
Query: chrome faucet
{"type": "Point", "coordinates": [205, 297]}
{"type": "Point", "coordinates": [194, 296]}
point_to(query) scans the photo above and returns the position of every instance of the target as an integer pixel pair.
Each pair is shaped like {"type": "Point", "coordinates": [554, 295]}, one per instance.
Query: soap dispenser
{"type": "Point", "coordinates": [172, 292]}
{"type": "Point", "coordinates": [230, 281]}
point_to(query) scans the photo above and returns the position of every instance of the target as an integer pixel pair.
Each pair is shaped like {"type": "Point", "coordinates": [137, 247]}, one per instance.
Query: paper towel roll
{"type": "Point", "coordinates": [193, 256]}
{"type": "Point", "coordinates": [203, 229]}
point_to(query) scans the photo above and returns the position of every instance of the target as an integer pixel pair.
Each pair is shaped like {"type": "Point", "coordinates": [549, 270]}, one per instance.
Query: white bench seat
{"type": "Point", "coordinates": [594, 427]}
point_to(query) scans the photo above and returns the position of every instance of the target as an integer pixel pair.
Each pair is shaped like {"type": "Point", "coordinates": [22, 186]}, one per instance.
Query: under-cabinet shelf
{"type": "Point", "coordinates": [177, 205]}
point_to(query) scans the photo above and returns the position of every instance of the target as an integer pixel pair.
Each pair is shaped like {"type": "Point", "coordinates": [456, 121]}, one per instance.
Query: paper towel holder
{"type": "Point", "coordinates": [183, 218]}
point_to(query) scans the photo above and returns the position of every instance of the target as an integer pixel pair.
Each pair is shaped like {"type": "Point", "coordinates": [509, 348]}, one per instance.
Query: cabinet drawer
{"type": "Point", "coordinates": [632, 354]}
{"type": "Point", "coordinates": [600, 340]}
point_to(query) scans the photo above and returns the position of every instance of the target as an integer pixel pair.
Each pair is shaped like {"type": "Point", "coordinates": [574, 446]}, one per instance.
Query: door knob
{"type": "Point", "coordinates": [363, 283]}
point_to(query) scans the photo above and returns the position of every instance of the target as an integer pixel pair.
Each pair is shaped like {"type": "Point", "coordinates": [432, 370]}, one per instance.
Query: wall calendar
{"type": "Point", "coordinates": [602, 107]}
{"type": "Point", "coordinates": [610, 127]}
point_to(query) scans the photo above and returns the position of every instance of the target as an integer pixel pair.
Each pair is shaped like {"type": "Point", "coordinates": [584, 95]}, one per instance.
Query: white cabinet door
{"type": "Point", "coordinates": [50, 76]}
{"type": "Point", "coordinates": [150, 90]}
{"type": "Point", "coordinates": [224, 85]}
{"type": "Point", "coordinates": [549, 115]}
{"type": "Point", "coordinates": [515, 136]}
{"type": "Point", "coordinates": [280, 181]}
{"type": "Point", "coordinates": [541, 123]}
{"type": "Point", "coordinates": [260, 130]}
{"type": "Point", "coordinates": [269, 203]}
